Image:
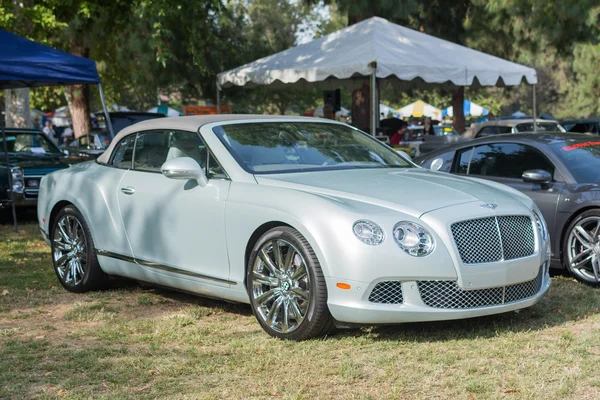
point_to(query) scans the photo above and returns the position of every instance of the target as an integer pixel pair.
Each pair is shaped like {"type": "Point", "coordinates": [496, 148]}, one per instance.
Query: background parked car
{"type": "Point", "coordinates": [501, 126]}
{"type": "Point", "coordinates": [88, 147]}
{"type": "Point", "coordinates": [560, 172]}
{"type": "Point", "coordinates": [587, 125]}
{"type": "Point", "coordinates": [31, 156]}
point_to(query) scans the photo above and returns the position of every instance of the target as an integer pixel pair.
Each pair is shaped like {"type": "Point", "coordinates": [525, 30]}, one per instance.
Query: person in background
{"type": "Point", "coordinates": [49, 131]}
{"type": "Point", "coordinates": [67, 134]}
{"type": "Point", "coordinates": [400, 133]}
{"type": "Point", "coordinates": [428, 127]}
{"type": "Point", "coordinates": [328, 112]}
{"type": "Point", "coordinates": [490, 116]}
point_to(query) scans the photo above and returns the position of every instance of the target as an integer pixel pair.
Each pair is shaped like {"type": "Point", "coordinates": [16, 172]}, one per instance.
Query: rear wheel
{"type": "Point", "coordinates": [581, 248]}
{"type": "Point", "coordinates": [286, 286]}
{"type": "Point", "coordinates": [74, 254]}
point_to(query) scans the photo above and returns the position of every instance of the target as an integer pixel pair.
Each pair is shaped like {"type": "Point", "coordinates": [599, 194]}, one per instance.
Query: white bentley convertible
{"type": "Point", "coordinates": [312, 222]}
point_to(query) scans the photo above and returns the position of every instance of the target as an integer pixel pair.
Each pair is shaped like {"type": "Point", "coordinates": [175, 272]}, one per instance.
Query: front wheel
{"type": "Point", "coordinates": [73, 253]}
{"type": "Point", "coordinates": [581, 248]}
{"type": "Point", "coordinates": [286, 286]}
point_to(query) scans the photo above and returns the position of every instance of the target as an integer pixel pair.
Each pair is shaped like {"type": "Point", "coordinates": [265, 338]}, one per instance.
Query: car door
{"type": "Point", "coordinates": [176, 227]}
{"type": "Point", "coordinates": [505, 163]}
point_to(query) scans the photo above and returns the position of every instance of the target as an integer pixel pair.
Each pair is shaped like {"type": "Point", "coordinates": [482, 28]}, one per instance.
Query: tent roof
{"type": "Point", "coordinates": [24, 63]}
{"type": "Point", "coordinates": [400, 53]}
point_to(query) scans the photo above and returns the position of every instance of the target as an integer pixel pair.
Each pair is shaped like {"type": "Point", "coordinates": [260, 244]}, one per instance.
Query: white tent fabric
{"type": "Point", "coordinates": [400, 53]}
{"type": "Point", "coordinates": [384, 110]}
{"type": "Point", "coordinates": [343, 112]}
{"type": "Point", "coordinates": [418, 109]}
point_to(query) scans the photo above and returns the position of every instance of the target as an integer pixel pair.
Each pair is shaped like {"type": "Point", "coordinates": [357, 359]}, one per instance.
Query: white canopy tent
{"type": "Point", "coordinates": [383, 52]}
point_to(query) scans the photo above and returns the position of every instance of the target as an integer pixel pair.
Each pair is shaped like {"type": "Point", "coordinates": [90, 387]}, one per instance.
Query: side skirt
{"type": "Point", "coordinates": [161, 267]}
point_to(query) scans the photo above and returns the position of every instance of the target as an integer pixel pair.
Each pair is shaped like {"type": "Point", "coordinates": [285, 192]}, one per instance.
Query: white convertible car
{"type": "Point", "coordinates": [312, 222]}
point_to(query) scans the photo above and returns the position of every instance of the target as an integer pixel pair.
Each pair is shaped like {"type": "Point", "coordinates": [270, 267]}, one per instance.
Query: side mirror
{"type": "Point", "coordinates": [184, 168]}
{"type": "Point", "coordinates": [537, 176]}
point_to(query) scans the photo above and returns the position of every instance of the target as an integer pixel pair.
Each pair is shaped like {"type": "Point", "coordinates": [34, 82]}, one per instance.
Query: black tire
{"type": "Point", "coordinates": [317, 320]}
{"type": "Point", "coordinates": [586, 276]}
{"type": "Point", "coordinates": [93, 278]}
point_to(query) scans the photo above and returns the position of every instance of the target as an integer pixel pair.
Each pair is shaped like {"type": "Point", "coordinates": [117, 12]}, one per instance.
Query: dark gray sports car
{"type": "Point", "coordinates": [560, 172]}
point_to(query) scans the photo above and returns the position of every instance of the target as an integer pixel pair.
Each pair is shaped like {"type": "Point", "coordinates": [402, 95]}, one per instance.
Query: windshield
{"type": "Point", "coordinates": [28, 142]}
{"type": "Point", "coordinates": [541, 127]}
{"type": "Point", "coordinates": [278, 147]}
{"type": "Point", "coordinates": [581, 157]}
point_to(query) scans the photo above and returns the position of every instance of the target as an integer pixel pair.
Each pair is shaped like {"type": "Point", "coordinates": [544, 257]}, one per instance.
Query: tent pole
{"type": "Point", "coordinates": [10, 181]}
{"type": "Point", "coordinates": [374, 100]}
{"type": "Point", "coordinates": [218, 98]}
{"type": "Point", "coordinates": [534, 110]}
{"type": "Point", "coordinates": [109, 127]}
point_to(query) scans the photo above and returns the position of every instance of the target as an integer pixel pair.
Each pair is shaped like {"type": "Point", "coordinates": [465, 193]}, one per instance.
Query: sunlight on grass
{"type": "Point", "coordinates": [144, 343]}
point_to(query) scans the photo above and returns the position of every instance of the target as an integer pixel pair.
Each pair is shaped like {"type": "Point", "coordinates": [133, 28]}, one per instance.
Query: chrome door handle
{"type": "Point", "coordinates": [128, 190]}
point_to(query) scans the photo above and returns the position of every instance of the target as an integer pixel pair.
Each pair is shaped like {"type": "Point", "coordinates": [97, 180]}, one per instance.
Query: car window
{"type": "Point", "coordinates": [507, 160]}
{"type": "Point", "coordinates": [284, 147]}
{"type": "Point", "coordinates": [151, 150]}
{"type": "Point", "coordinates": [541, 127]}
{"type": "Point", "coordinates": [464, 157]}
{"type": "Point", "coordinates": [442, 163]}
{"type": "Point", "coordinates": [123, 153]}
{"type": "Point", "coordinates": [488, 131]}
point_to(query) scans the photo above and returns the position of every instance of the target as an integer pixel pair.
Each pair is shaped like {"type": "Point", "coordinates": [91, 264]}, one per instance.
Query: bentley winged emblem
{"type": "Point", "coordinates": [491, 206]}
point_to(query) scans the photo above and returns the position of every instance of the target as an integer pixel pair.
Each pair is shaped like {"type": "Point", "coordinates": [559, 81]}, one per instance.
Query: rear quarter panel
{"type": "Point", "coordinates": [91, 188]}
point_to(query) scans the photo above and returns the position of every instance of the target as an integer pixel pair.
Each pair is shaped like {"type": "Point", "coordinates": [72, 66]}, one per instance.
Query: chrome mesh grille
{"type": "Point", "coordinates": [388, 292]}
{"type": "Point", "coordinates": [447, 294]}
{"type": "Point", "coordinates": [493, 239]}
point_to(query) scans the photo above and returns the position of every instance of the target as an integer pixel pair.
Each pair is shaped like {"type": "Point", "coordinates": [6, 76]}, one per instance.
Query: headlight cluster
{"type": "Point", "coordinates": [412, 238]}
{"type": "Point", "coordinates": [17, 179]}
{"type": "Point", "coordinates": [368, 232]}
{"type": "Point", "coordinates": [541, 225]}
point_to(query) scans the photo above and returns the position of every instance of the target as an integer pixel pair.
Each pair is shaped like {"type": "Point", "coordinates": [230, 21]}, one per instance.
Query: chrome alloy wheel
{"type": "Point", "coordinates": [280, 286]}
{"type": "Point", "coordinates": [69, 250]}
{"type": "Point", "coordinates": [584, 249]}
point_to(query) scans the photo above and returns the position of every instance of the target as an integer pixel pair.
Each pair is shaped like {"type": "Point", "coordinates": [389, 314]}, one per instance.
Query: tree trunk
{"type": "Point", "coordinates": [458, 97]}
{"type": "Point", "coordinates": [80, 97]}
{"type": "Point", "coordinates": [17, 108]}
{"type": "Point", "coordinates": [360, 108]}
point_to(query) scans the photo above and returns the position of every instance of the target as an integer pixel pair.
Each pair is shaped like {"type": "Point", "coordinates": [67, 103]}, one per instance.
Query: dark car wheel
{"type": "Point", "coordinates": [73, 253]}
{"type": "Point", "coordinates": [581, 248]}
{"type": "Point", "coordinates": [286, 286]}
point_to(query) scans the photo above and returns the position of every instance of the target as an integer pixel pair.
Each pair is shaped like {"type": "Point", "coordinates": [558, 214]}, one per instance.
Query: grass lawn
{"type": "Point", "coordinates": [135, 342]}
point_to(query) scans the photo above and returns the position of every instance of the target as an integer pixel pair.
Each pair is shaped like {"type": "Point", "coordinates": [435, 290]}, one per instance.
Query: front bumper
{"type": "Point", "coordinates": [353, 305]}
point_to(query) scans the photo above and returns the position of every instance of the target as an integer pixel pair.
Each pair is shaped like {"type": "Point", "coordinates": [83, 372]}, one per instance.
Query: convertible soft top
{"type": "Point", "coordinates": [193, 123]}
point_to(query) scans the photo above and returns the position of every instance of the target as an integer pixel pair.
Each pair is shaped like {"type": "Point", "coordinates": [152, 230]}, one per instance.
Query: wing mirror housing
{"type": "Point", "coordinates": [538, 176]}
{"type": "Point", "coordinates": [184, 168]}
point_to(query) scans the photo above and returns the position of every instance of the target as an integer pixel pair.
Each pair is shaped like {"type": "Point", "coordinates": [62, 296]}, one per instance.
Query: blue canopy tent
{"type": "Point", "coordinates": [25, 64]}
{"type": "Point", "coordinates": [469, 108]}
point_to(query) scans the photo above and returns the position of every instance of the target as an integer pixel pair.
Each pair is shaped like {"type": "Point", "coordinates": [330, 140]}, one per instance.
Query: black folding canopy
{"type": "Point", "coordinates": [25, 64]}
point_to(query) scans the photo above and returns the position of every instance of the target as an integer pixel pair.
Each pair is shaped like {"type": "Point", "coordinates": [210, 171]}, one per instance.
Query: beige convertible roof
{"type": "Point", "coordinates": [190, 123]}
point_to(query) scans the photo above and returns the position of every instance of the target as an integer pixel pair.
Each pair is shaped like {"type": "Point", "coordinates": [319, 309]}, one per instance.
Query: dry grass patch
{"type": "Point", "coordinates": [133, 342]}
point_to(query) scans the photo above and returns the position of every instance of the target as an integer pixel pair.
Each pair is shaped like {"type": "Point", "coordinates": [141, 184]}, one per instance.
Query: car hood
{"type": "Point", "coordinates": [414, 191]}
{"type": "Point", "coordinates": [38, 164]}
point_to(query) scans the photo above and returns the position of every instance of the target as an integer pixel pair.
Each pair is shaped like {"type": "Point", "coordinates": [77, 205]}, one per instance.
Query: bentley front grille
{"type": "Point", "coordinates": [388, 292]}
{"type": "Point", "coordinates": [493, 239]}
{"type": "Point", "coordinates": [447, 294]}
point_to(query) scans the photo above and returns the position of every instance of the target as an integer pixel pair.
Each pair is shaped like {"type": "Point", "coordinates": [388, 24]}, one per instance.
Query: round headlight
{"type": "Point", "coordinates": [541, 225]}
{"type": "Point", "coordinates": [368, 232]}
{"type": "Point", "coordinates": [17, 172]}
{"type": "Point", "coordinates": [413, 239]}
{"type": "Point", "coordinates": [18, 186]}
